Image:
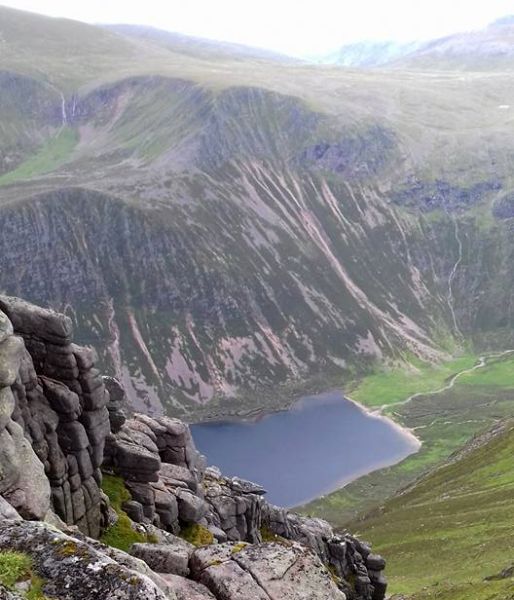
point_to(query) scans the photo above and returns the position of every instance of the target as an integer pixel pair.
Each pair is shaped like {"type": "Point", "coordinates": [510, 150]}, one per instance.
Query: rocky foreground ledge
{"type": "Point", "coordinates": [168, 527]}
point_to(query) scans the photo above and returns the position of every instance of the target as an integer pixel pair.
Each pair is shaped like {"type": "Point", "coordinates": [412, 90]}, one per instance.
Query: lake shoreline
{"type": "Point", "coordinates": [259, 413]}
{"type": "Point", "coordinates": [340, 472]}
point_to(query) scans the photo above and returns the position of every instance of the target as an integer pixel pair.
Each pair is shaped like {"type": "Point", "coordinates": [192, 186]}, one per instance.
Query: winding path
{"type": "Point", "coordinates": [482, 362]}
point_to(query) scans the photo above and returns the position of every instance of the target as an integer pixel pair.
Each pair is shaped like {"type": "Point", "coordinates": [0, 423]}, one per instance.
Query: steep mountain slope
{"type": "Point", "coordinates": [240, 224]}
{"type": "Point", "coordinates": [462, 510]}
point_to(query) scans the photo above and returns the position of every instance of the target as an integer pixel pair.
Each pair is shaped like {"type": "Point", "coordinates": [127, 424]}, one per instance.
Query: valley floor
{"type": "Point", "coordinates": [466, 521]}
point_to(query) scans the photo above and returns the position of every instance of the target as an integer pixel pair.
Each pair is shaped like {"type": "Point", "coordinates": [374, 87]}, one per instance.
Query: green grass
{"type": "Point", "coordinates": [197, 534]}
{"type": "Point", "coordinates": [453, 529]}
{"type": "Point", "coordinates": [499, 373]}
{"type": "Point", "coordinates": [121, 535]}
{"type": "Point", "coordinates": [16, 567]}
{"type": "Point", "coordinates": [394, 385]}
{"type": "Point", "coordinates": [444, 422]}
{"type": "Point", "coordinates": [50, 156]}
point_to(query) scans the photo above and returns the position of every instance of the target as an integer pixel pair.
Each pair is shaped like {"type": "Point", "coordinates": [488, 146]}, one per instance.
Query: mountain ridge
{"type": "Point", "coordinates": [483, 49]}
{"type": "Point", "coordinates": [270, 185]}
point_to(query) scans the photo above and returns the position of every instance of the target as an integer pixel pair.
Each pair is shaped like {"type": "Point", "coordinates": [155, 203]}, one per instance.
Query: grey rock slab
{"type": "Point", "coordinates": [133, 458]}
{"type": "Point", "coordinates": [267, 571]}
{"type": "Point", "coordinates": [61, 398]}
{"type": "Point", "coordinates": [85, 356]}
{"type": "Point", "coordinates": [218, 533]}
{"type": "Point", "coordinates": [72, 437]}
{"type": "Point", "coordinates": [138, 425]}
{"type": "Point", "coordinates": [176, 431]}
{"type": "Point", "coordinates": [134, 510]}
{"type": "Point", "coordinates": [12, 351]}
{"type": "Point", "coordinates": [8, 512]}
{"type": "Point", "coordinates": [42, 322]}
{"type": "Point", "coordinates": [186, 589]}
{"type": "Point", "coordinates": [228, 581]}
{"type": "Point", "coordinates": [29, 492]}
{"type": "Point", "coordinates": [163, 558]}
{"type": "Point", "coordinates": [206, 556]}
{"type": "Point", "coordinates": [96, 399]}
{"type": "Point", "coordinates": [174, 472]}
{"type": "Point", "coordinates": [191, 508]}
{"type": "Point", "coordinates": [138, 437]}
{"type": "Point", "coordinates": [123, 558]}
{"type": "Point", "coordinates": [247, 487]}
{"type": "Point", "coordinates": [96, 419]}
{"type": "Point", "coordinates": [6, 328]}
{"type": "Point", "coordinates": [379, 587]}
{"type": "Point", "coordinates": [7, 405]}
{"type": "Point", "coordinates": [288, 572]}
{"type": "Point", "coordinates": [142, 492]}
{"type": "Point", "coordinates": [225, 506]}
{"type": "Point", "coordinates": [375, 562]}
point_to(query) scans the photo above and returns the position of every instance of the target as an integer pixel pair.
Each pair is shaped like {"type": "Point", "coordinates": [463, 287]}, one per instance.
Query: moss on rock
{"type": "Point", "coordinates": [197, 534]}
{"type": "Point", "coordinates": [122, 534]}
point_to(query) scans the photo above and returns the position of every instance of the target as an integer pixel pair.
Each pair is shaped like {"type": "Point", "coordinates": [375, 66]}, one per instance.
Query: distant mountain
{"type": "Point", "coordinates": [486, 49]}
{"type": "Point", "coordinates": [196, 46]}
{"type": "Point", "coordinates": [490, 48]}
{"type": "Point", "coordinates": [369, 54]}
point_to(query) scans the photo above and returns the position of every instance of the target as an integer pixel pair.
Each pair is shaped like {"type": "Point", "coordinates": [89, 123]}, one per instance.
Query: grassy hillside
{"type": "Point", "coordinates": [451, 536]}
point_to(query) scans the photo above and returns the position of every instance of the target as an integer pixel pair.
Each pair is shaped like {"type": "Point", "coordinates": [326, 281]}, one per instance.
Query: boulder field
{"type": "Point", "coordinates": [194, 534]}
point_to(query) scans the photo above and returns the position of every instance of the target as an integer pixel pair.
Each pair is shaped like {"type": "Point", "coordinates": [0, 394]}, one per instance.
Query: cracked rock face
{"type": "Point", "coordinates": [263, 571]}
{"type": "Point", "coordinates": [53, 418]}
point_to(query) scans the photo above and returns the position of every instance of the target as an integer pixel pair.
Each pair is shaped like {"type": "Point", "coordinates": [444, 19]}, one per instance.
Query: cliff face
{"type": "Point", "coordinates": [218, 225]}
{"type": "Point", "coordinates": [62, 421]}
{"type": "Point", "coordinates": [54, 407]}
{"type": "Point", "coordinates": [214, 297]}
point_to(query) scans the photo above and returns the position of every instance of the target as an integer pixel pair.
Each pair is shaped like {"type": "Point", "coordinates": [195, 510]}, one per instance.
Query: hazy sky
{"type": "Point", "coordinates": [291, 26]}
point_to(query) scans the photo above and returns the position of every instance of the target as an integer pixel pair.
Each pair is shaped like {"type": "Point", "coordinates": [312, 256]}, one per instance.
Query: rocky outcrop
{"type": "Point", "coordinates": [353, 156]}
{"type": "Point", "coordinates": [23, 484]}
{"type": "Point", "coordinates": [171, 489]}
{"type": "Point", "coordinates": [60, 421]}
{"type": "Point", "coordinates": [57, 405]}
{"type": "Point", "coordinates": [235, 506]}
{"type": "Point", "coordinates": [162, 470]}
{"type": "Point", "coordinates": [444, 195]}
{"type": "Point", "coordinates": [75, 569]}
{"type": "Point", "coordinates": [349, 558]}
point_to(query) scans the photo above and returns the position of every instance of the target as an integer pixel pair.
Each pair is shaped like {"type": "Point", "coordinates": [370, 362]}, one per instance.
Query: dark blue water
{"type": "Point", "coordinates": [319, 445]}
